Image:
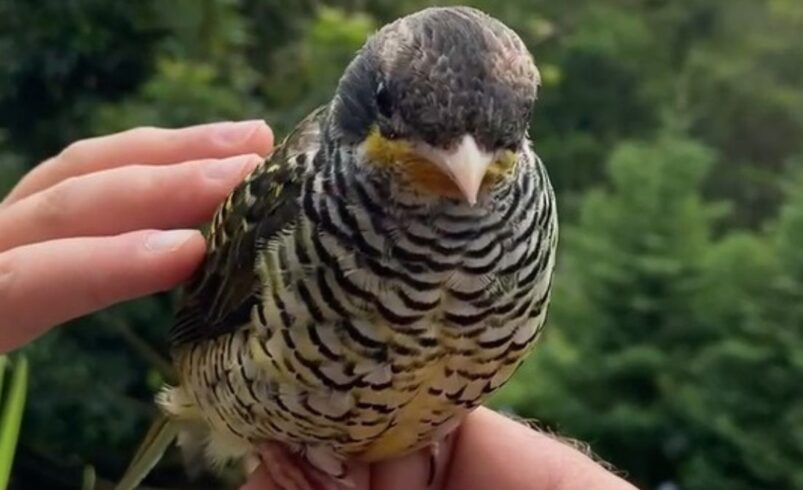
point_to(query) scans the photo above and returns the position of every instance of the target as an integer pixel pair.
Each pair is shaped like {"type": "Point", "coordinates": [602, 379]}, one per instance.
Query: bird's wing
{"type": "Point", "coordinates": [220, 297]}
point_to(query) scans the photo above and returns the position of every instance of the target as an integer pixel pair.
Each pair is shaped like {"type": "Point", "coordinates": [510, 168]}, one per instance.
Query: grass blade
{"type": "Point", "coordinates": [11, 418]}
{"type": "Point", "coordinates": [89, 478]}
{"type": "Point", "coordinates": [3, 362]}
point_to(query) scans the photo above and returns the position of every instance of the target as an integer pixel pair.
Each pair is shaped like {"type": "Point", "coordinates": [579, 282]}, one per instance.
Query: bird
{"type": "Point", "coordinates": [385, 270]}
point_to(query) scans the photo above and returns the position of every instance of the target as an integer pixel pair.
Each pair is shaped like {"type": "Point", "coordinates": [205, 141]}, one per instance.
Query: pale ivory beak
{"type": "Point", "coordinates": [465, 165]}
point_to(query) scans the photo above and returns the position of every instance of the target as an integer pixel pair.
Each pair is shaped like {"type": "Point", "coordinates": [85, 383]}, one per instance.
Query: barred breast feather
{"type": "Point", "coordinates": [331, 315]}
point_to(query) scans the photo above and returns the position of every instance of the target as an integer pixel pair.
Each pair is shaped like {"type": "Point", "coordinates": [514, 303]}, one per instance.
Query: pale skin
{"type": "Point", "coordinates": [110, 219]}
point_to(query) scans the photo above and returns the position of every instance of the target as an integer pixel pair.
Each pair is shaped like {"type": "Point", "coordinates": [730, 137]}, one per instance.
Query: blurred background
{"type": "Point", "coordinates": [673, 132]}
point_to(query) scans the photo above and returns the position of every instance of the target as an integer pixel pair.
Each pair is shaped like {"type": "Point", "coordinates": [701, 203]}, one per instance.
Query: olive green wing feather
{"type": "Point", "coordinates": [220, 297]}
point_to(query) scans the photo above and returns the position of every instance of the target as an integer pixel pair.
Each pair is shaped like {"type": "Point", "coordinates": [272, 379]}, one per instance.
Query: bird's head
{"type": "Point", "coordinates": [442, 98]}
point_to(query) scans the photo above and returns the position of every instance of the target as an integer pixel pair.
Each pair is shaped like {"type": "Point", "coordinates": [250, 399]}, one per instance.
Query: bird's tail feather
{"type": "Point", "coordinates": [162, 433]}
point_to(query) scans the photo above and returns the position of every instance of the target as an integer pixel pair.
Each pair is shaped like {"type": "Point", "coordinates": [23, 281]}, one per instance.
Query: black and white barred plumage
{"type": "Point", "coordinates": [344, 310]}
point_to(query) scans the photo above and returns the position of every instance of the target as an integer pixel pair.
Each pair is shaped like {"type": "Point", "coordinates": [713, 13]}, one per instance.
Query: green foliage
{"type": "Point", "coordinates": [739, 397]}
{"type": "Point", "coordinates": [63, 58]}
{"type": "Point", "coordinates": [631, 268]}
{"type": "Point", "coordinates": [304, 72]}
{"type": "Point", "coordinates": [11, 170]}
{"type": "Point", "coordinates": [673, 132]}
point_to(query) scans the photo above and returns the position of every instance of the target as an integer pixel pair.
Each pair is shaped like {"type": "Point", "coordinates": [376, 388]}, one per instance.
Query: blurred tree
{"type": "Point", "coordinates": [597, 98]}
{"type": "Point", "coordinates": [740, 398]}
{"type": "Point", "coordinates": [741, 93]}
{"type": "Point", "coordinates": [623, 325]}
{"type": "Point", "coordinates": [11, 168]}
{"type": "Point", "coordinates": [63, 58]}
{"type": "Point", "coordinates": [739, 389]}
{"type": "Point", "coordinates": [305, 72]}
{"type": "Point", "coordinates": [201, 74]}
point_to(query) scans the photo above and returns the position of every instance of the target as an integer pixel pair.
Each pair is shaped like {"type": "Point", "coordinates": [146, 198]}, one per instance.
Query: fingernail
{"type": "Point", "coordinates": [230, 168]}
{"type": "Point", "coordinates": [167, 241]}
{"type": "Point", "coordinates": [236, 133]}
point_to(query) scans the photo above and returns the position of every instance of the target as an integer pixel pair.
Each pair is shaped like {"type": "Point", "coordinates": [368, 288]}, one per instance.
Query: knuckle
{"type": "Point", "coordinates": [96, 292]}
{"type": "Point", "coordinates": [7, 273]}
{"type": "Point", "coordinates": [169, 184]}
{"type": "Point", "coordinates": [185, 189]}
{"type": "Point", "coordinates": [142, 132]}
{"type": "Point", "coordinates": [187, 177]}
{"type": "Point", "coordinates": [147, 181]}
{"type": "Point", "coordinates": [81, 151]}
{"type": "Point", "coordinates": [76, 152]}
{"type": "Point", "coordinates": [7, 284]}
{"type": "Point", "coordinates": [201, 188]}
{"type": "Point", "coordinates": [53, 205]}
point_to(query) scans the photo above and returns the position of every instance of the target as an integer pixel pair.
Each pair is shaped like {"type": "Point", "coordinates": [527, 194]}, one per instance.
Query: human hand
{"type": "Point", "coordinates": [81, 231]}
{"type": "Point", "coordinates": [489, 452]}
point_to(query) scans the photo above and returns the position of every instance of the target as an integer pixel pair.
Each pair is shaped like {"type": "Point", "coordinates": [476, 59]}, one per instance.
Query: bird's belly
{"type": "Point", "coordinates": [427, 415]}
{"type": "Point", "coordinates": [369, 410]}
{"type": "Point", "coordinates": [443, 392]}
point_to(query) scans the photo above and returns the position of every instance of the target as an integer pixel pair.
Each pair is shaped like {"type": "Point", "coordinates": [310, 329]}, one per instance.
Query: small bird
{"type": "Point", "coordinates": [382, 273]}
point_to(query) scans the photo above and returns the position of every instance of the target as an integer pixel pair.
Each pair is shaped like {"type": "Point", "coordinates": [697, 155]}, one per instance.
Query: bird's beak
{"type": "Point", "coordinates": [465, 164]}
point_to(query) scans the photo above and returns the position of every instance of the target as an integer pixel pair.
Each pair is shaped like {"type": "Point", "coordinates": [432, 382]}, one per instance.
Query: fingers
{"type": "Point", "coordinates": [413, 471]}
{"type": "Point", "coordinates": [409, 472]}
{"type": "Point", "coordinates": [52, 282]}
{"type": "Point", "coordinates": [493, 451]}
{"type": "Point", "coordinates": [124, 199]}
{"type": "Point", "coordinates": [442, 461]}
{"type": "Point", "coordinates": [489, 451]}
{"type": "Point", "coordinates": [259, 480]}
{"type": "Point", "coordinates": [147, 146]}
{"type": "Point", "coordinates": [360, 475]}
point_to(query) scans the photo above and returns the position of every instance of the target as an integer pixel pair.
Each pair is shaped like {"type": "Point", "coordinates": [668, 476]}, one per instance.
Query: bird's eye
{"type": "Point", "coordinates": [501, 145]}
{"type": "Point", "coordinates": [384, 101]}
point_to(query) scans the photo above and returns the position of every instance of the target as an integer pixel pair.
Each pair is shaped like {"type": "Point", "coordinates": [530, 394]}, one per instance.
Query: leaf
{"type": "Point", "coordinates": [11, 418]}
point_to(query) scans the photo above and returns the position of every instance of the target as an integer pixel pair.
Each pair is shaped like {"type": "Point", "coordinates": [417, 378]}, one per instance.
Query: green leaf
{"type": "Point", "coordinates": [11, 418]}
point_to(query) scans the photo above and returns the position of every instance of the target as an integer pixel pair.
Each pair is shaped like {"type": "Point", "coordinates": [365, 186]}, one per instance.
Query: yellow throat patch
{"type": "Point", "coordinates": [421, 173]}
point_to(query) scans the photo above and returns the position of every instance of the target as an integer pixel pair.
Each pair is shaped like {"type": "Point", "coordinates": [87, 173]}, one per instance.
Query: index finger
{"type": "Point", "coordinates": [147, 146]}
{"type": "Point", "coordinates": [493, 451]}
{"type": "Point", "coordinates": [48, 283]}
